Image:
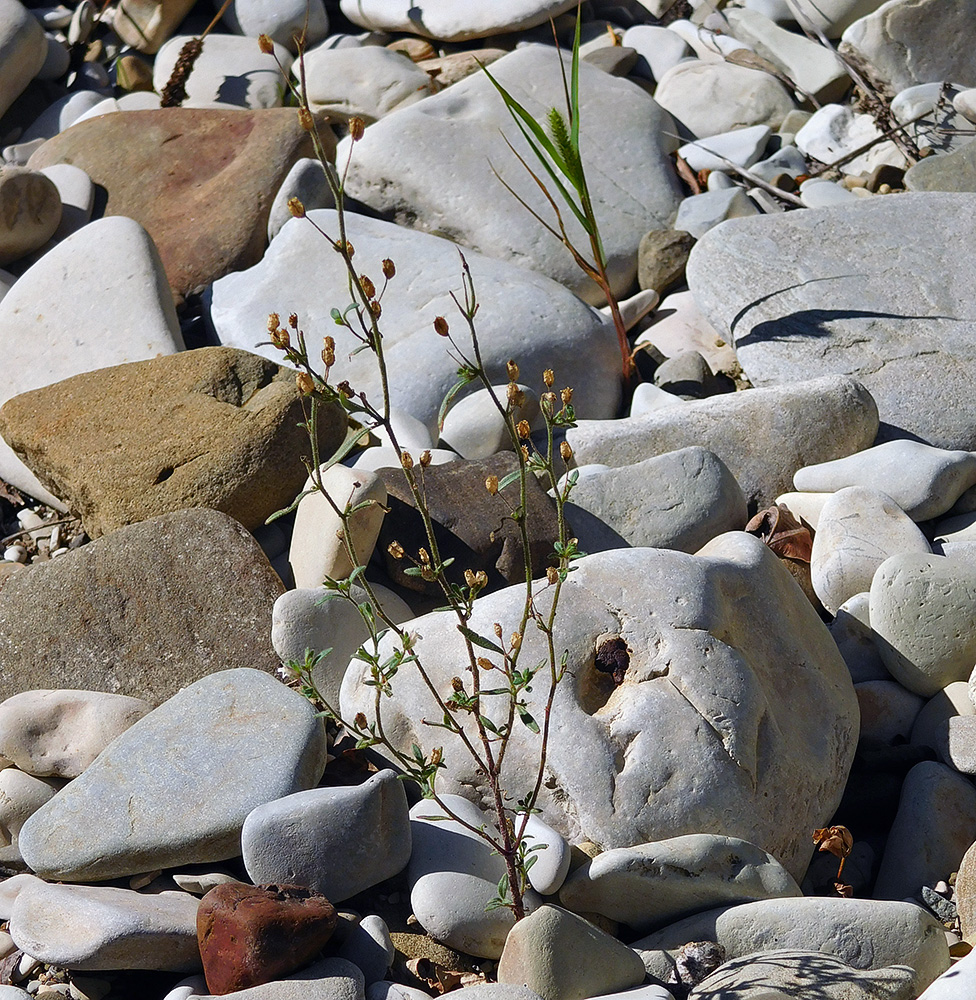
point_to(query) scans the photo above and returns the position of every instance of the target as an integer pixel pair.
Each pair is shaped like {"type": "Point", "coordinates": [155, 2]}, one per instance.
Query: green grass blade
{"type": "Point", "coordinates": [574, 109]}
{"type": "Point", "coordinates": [524, 120]}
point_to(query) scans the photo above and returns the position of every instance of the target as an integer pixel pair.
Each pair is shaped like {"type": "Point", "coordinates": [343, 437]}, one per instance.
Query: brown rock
{"type": "Point", "coordinates": [200, 181]}
{"type": "Point", "coordinates": [471, 525]}
{"type": "Point", "coordinates": [661, 259]}
{"type": "Point", "coordinates": [965, 896]}
{"type": "Point", "coordinates": [146, 24]}
{"type": "Point", "coordinates": [214, 427]}
{"type": "Point", "coordinates": [144, 612]}
{"type": "Point", "coordinates": [253, 934]}
{"type": "Point", "coordinates": [30, 210]}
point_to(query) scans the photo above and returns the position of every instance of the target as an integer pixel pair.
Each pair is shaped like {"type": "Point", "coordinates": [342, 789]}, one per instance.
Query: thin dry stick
{"type": "Point", "coordinates": [854, 153]}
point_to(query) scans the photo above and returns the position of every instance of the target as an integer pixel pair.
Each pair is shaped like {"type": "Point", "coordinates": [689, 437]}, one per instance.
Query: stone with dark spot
{"type": "Point", "coordinates": [212, 176]}
{"type": "Point", "coordinates": [142, 612]}
{"type": "Point", "coordinates": [661, 259]}
{"type": "Point", "coordinates": [216, 427]}
{"type": "Point", "coordinates": [253, 934]}
{"type": "Point", "coordinates": [471, 525]}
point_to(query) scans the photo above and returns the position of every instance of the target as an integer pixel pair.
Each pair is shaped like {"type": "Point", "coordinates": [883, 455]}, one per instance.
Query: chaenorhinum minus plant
{"type": "Point", "coordinates": [492, 667]}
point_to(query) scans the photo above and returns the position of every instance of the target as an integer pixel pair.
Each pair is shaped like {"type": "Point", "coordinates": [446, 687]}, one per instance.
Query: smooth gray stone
{"type": "Point", "coordinates": [650, 885]}
{"type": "Point", "coordinates": [306, 182]}
{"type": "Point", "coordinates": [866, 290]}
{"type": "Point", "coordinates": [931, 724]}
{"type": "Point", "coordinates": [431, 167]}
{"type": "Point", "coordinates": [176, 787]}
{"type": "Point", "coordinates": [94, 928]}
{"type": "Point", "coordinates": [905, 42]}
{"type": "Point", "coordinates": [701, 736]}
{"type": "Point", "coordinates": [955, 171]}
{"type": "Point", "coordinates": [932, 830]}
{"type": "Point", "coordinates": [769, 975]}
{"type": "Point", "coordinates": [561, 956]}
{"type": "Point", "coordinates": [959, 983]}
{"type": "Point", "coordinates": [864, 933]}
{"type": "Point", "coordinates": [338, 840]}
{"type": "Point", "coordinates": [923, 612]}
{"type": "Point", "coordinates": [762, 436]}
{"type": "Point", "coordinates": [941, 128]}
{"type": "Point", "coordinates": [328, 979]}
{"type": "Point", "coordinates": [679, 500]}
{"type": "Point", "coordinates": [851, 630]}
{"type": "Point", "coordinates": [888, 711]}
{"type": "Point", "coordinates": [523, 315]}
{"type": "Point", "coordinates": [698, 213]}
{"type": "Point", "coordinates": [369, 947]}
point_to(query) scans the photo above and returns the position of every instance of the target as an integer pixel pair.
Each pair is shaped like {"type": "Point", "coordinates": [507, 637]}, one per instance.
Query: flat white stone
{"type": "Point", "coordinates": [658, 49]}
{"type": "Point", "coordinates": [924, 481]}
{"type": "Point", "coordinates": [98, 299]}
{"type": "Point", "coordinates": [743, 147]}
{"type": "Point", "coordinates": [316, 552]}
{"type": "Point", "coordinates": [647, 397]}
{"type": "Point", "coordinates": [21, 795]}
{"type": "Point", "coordinates": [958, 983]}
{"type": "Point", "coordinates": [834, 132]}
{"type": "Point", "coordinates": [523, 315]}
{"type": "Point", "coordinates": [92, 928]}
{"type": "Point", "coordinates": [805, 505]}
{"type": "Point", "coordinates": [829, 16]}
{"type": "Point", "coordinates": [824, 194]}
{"type": "Point", "coordinates": [551, 854]}
{"type": "Point", "coordinates": [651, 885]}
{"type": "Point", "coordinates": [924, 609]}
{"type": "Point", "coordinates": [23, 49]}
{"type": "Point", "coordinates": [713, 97]}
{"type": "Point", "coordinates": [813, 68]}
{"type": "Point", "coordinates": [281, 20]}
{"type": "Point", "coordinates": [700, 212]}
{"type": "Point", "coordinates": [230, 69]}
{"type": "Point", "coordinates": [452, 22]}
{"type": "Point", "coordinates": [859, 529]}
{"type": "Point", "coordinates": [709, 46]}
{"type": "Point", "coordinates": [474, 427]}
{"type": "Point", "coordinates": [369, 82]}
{"type": "Point", "coordinates": [59, 733]}
{"type": "Point", "coordinates": [965, 103]}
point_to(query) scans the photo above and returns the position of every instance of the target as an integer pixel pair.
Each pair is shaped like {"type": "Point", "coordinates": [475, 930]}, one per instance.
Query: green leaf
{"type": "Point", "coordinates": [287, 510]}
{"type": "Point", "coordinates": [413, 571]}
{"type": "Point", "coordinates": [508, 480]}
{"type": "Point", "coordinates": [527, 719]}
{"type": "Point", "coordinates": [479, 640]}
{"type": "Point", "coordinates": [465, 377]}
{"type": "Point", "coordinates": [488, 724]}
{"type": "Point", "coordinates": [355, 433]}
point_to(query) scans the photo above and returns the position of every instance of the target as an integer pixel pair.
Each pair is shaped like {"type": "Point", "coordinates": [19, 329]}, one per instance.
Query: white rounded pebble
{"type": "Point", "coordinates": [858, 529]}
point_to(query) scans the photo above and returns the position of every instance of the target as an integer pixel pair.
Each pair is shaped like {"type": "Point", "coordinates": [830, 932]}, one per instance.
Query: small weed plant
{"type": "Point", "coordinates": [493, 670]}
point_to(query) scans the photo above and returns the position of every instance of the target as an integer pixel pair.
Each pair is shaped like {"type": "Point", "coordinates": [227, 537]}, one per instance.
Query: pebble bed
{"type": "Point", "coordinates": [759, 779]}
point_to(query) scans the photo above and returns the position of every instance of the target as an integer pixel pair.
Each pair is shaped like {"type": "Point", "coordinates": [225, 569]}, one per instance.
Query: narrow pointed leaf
{"type": "Point", "coordinates": [479, 640]}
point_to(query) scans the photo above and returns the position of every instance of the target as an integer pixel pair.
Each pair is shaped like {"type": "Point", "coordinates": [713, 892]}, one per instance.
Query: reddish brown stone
{"type": "Point", "coordinates": [253, 934]}
{"type": "Point", "coordinates": [201, 181]}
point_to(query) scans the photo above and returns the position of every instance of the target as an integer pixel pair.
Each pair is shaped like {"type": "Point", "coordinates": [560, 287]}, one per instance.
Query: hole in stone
{"type": "Point", "coordinates": [602, 675]}
{"type": "Point", "coordinates": [164, 474]}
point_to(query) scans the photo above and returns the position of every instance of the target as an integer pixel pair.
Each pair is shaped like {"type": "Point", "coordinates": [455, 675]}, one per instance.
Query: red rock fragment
{"type": "Point", "coordinates": [254, 934]}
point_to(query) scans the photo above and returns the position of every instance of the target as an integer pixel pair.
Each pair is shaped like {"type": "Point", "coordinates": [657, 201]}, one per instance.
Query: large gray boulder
{"type": "Point", "coordinates": [708, 731]}
{"type": "Point", "coordinates": [431, 167]}
{"type": "Point", "coordinates": [522, 315]}
{"type": "Point", "coordinates": [869, 290]}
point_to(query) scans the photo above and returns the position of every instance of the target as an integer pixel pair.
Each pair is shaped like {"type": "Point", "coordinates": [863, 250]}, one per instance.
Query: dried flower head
{"type": "Point", "coordinates": [375, 308]}
{"type": "Point", "coordinates": [525, 452]}
{"type": "Point", "coordinates": [304, 382]}
{"type": "Point", "coordinates": [516, 640]}
{"type": "Point", "coordinates": [523, 428]}
{"type": "Point", "coordinates": [406, 459]}
{"type": "Point", "coordinates": [274, 321]}
{"type": "Point", "coordinates": [548, 377]}
{"type": "Point", "coordinates": [395, 549]}
{"type": "Point", "coordinates": [497, 629]}
{"type": "Point", "coordinates": [328, 351]}
{"type": "Point", "coordinates": [369, 289]}
{"type": "Point", "coordinates": [565, 451]}
{"type": "Point", "coordinates": [360, 722]}
{"type": "Point", "coordinates": [424, 556]}
{"type": "Point", "coordinates": [425, 458]}
{"type": "Point", "coordinates": [440, 326]}
{"type": "Point", "coordinates": [513, 370]}
{"type": "Point", "coordinates": [516, 397]}
{"type": "Point", "coordinates": [552, 575]}
{"type": "Point", "coordinates": [436, 756]}
{"type": "Point", "coordinates": [456, 683]}
{"type": "Point", "coordinates": [296, 208]}
{"type": "Point", "coordinates": [389, 269]}
{"type": "Point", "coordinates": [305, 120]}
{"type": "Point", "coordinates": [548, 401]}
{"type": "Point", "coordinates": [566, 396]}
{"type": "Point", "coordinates": [293, 320]}
{"type": "Point", "coordinates": [280, 338]}
{"type": "Point", "coordinates": [357, 128]}
{"type": "Point", "coordinates": [266, 45]}
{"type": "Point", "coordinates": [491, 484]}
{"type": "Point", "coordinates": [350, 250]}
{"type": "Point", "coordinates": [345, 389]}
{"type": "Point", "coordinates": [485, 663]}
